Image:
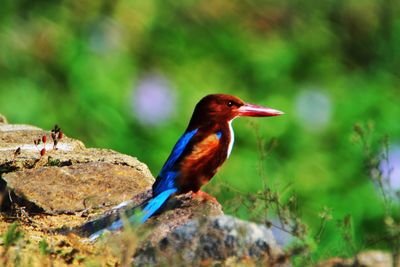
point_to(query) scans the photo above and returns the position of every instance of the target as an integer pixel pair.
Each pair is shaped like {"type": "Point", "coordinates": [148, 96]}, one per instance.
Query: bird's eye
{"type": "Point", "coordinates": [230, 104]}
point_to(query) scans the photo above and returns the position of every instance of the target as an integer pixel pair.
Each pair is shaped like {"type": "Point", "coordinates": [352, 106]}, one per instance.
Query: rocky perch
{"type": "Point", "coordinates": [58, 190]}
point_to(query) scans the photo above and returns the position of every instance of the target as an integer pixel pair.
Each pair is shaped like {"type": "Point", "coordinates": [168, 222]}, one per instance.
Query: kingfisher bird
{"type": "Point", "coordinates": [204, 146]}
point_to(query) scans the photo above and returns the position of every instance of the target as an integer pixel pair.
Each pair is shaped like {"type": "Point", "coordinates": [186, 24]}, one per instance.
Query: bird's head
{"type": "Point", "coordinates": [221, 107]}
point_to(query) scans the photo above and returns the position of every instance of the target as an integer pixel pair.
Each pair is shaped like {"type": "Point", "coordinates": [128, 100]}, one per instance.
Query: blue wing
{"type": "Point", "coordinates": [168, 173]}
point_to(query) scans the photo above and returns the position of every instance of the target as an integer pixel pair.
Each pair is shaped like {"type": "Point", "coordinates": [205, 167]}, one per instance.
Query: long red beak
{"type": "Point", "coordinates": [251, 110]}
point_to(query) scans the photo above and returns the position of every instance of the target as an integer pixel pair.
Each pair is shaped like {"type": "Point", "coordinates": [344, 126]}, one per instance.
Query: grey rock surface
{"type": "Point", "coordinates": [214, 240]}
{"type": "Point", "coordinates": [77, 187]}
{"type": "Point", "coordinates": [180, 210]}
{"type": "Point", "coordinates": [177, 211]}
{"type": "Point", "coordinates": [69, 151]}
{"type": "Point", "coordinates": [368, 258]}
{"type": "Point", "coordinates": [69, 178]}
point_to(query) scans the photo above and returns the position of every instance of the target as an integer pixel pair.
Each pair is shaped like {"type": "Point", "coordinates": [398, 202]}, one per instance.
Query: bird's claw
{"type": "Point", "coordinates": [204, 196]}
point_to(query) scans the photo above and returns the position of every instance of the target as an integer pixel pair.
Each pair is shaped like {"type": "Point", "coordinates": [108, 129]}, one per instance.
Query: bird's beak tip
{"type": "Point", "coordinates": [251, 110]}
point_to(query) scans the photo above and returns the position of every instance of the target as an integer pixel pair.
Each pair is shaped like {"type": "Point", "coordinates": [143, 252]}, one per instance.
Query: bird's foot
{"type": "Point", "coordinates": [204, 196]}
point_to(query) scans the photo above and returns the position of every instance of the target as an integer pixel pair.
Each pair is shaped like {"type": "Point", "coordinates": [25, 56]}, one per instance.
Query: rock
{"type": "Point", "coordinates": [177, 211]}
{"type": "Point", "coordinates": [374, 258]}
{"type": "Point", "coordinates": [69, 151]}
{"type": "Point", "coordinates": [21, 137]}
{"type": "Point", "coordinates": [213, 240]}
{"type": "Point", "coordinates": [68, 179]}
{"type": "Point", "coordinates": [77, 187]}
{"type": "Point", "coordinates": [371, 258]}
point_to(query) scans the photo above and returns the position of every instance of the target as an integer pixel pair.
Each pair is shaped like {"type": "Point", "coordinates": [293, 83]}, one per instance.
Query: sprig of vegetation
{"type": "Point", "coordinates": [11, 237]}
{"type": "Point", "coordinates": [346, 227]}
{"type": "Point", "coordinates": [44, 247]}
{"type": "Point", "coordinates": [376, 151]}
{"type": "Point", "coordinates": [282, 205]}
{"type": "Point", "coordinates": [325, 215]}
{"type": "Point", "coordinates": [56, 135]}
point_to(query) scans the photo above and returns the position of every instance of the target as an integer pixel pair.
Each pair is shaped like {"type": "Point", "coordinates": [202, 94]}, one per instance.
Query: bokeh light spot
{"type": "Point", "coordinates": [313, 107]}
{"type": "Point", "coordinates": [105, 37]}
{"type": "Point", "coordinates": [153, 100]}
{"type": "Point", "coordinates": [391, 167]}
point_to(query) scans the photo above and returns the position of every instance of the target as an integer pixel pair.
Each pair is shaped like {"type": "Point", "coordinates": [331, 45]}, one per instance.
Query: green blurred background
{"type": "Point", "coordinates": [126, 75]}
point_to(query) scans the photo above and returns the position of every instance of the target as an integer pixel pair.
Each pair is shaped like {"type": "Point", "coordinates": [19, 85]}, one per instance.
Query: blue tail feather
{"type": "Point", "coordinates": [139, 217]}
{"type": "Point", "coordinates": [156, 203]}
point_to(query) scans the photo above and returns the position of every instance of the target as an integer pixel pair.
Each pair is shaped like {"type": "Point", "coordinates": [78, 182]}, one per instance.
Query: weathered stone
{"type": "Point", "coordinates": [214, 240]}
{"type": "Point", "coordinates": [77, 187]}
{"type": "Point", "coordinates": [20, 137]}
{"type": "Point", "coordinates": [370, 258]}
{"type": "Point", "coordinates": [374, 258]}
{"type": "Point", "coordinates": [177, 211]}
{"type": "Point", "coordinates": [69, 151]}
{"type": "Point", "coordinates": [67, 179]}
